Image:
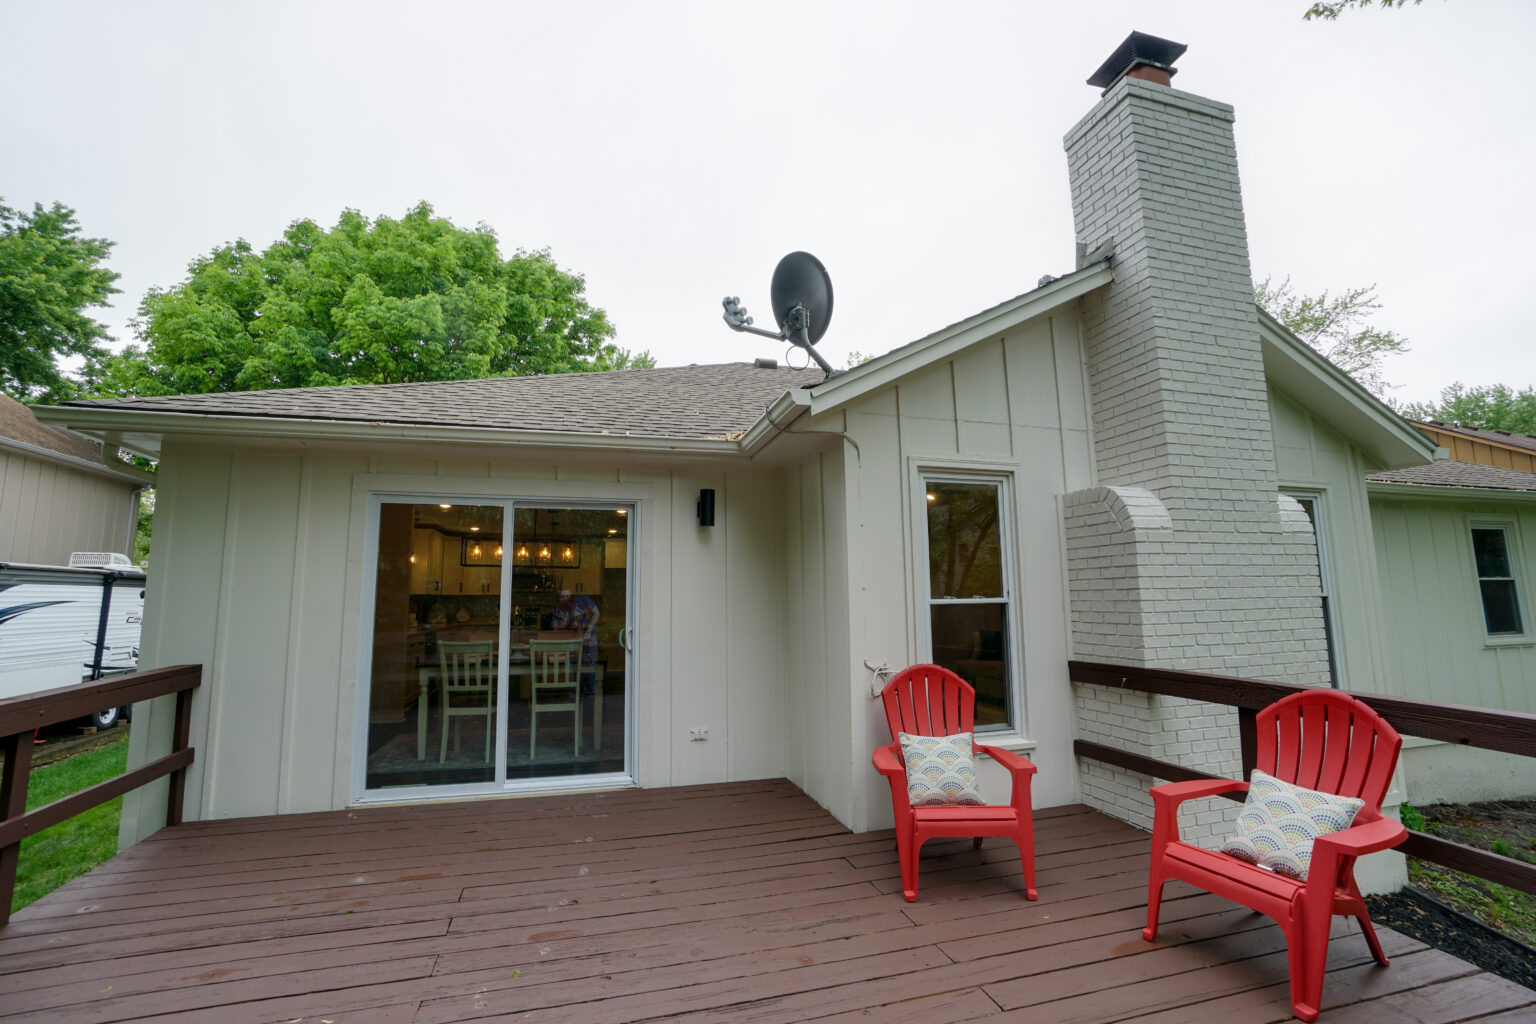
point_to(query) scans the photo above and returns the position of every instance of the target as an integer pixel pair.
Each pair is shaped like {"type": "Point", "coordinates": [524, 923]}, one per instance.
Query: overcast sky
{"type": "Point", "coordinates": [672, 152]}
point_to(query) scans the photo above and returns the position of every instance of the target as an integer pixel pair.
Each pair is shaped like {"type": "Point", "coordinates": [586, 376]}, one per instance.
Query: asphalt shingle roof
{"type": "Point", "coordinates": [18, 424]}
{"type": "Point", "coordinates": [1450, 473]}
{"type": "Point", "coordinates": [694, 402]}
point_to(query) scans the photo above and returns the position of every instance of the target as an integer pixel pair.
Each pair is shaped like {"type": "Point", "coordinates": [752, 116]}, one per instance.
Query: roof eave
{"type": "Point", "coordinates": [1402, 489]}
{"type": "Point", "coordinates": [941, 344]}
{"type": "Point", "coordinates": [73, 462]}
{"type": "Point", "coordinates": [141, 432]}
{"type": "Point", "coordinates": [776, 419]}
{"type": "Point", "coordinates": [1295, 368]}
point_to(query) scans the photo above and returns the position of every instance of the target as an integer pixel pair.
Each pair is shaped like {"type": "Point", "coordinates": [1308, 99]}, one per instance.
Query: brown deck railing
{"type": "Point", "coordinates": [1508, 731]}
{"type": "Point", "coordinates": [21, 716]}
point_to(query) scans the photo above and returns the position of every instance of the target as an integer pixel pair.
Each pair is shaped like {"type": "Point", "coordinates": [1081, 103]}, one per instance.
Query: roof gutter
{"type": "Point", "coordinates": [129, 426]}
{"type": "Point", "coordinates": [1441, 492]}
{"type": "Point", "coordinates": [776, 420]}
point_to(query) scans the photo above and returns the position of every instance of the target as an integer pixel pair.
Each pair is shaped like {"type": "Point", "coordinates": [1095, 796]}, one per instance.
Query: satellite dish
{"type": "Point", "coordinates": [801, 281]}
{"type": "Point", "coordinates": [801, 292]}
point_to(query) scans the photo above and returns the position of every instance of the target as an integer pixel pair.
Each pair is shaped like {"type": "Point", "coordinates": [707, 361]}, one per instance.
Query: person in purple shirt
{"type": "Point", "coordinates": [579, 612]}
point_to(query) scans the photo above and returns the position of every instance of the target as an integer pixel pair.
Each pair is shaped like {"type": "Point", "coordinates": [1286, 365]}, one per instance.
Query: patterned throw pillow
{"type": "Point", "coordinates": [941, 770]}
{"type": "Point", "coordinates": [1279, 823]}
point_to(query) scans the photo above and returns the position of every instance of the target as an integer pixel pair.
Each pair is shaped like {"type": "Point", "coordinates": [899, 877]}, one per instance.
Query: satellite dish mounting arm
{"type": "Point", "coordinates": [797, 325]}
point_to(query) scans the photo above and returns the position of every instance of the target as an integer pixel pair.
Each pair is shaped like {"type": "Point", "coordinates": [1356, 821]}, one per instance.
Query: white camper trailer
{"type": "Point", "coordinates": [63, 625]}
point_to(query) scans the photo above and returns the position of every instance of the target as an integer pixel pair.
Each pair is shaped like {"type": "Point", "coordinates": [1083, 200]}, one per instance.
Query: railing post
{"type": "Point", "coordinates": [1248, 739]}
{"type": "Point", "coordinates": [180, 734]}
{"type": "Point", "coordinates": [13, 803]}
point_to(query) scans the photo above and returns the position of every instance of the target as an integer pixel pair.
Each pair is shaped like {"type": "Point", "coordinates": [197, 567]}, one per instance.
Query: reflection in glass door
{"type": "Point", "coordinates": [436, 624]}
{"type": "Point", "coordinates": [456, 666]}
{"type": "Point", "coordinates": [570, 590]}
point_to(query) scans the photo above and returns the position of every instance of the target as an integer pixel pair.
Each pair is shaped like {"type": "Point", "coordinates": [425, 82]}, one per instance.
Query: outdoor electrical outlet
{"type": "Point", "coordinates": [699, 735]}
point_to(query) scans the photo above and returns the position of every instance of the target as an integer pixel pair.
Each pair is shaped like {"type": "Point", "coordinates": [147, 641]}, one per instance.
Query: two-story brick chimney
{"type": "Point", "coordinates": [1185, 555]}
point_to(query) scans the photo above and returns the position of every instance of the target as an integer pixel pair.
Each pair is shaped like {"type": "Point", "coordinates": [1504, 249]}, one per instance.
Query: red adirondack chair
{"type": "Point", "coordinates": [926, 700]}
{"type": "Point", "coordinates": [1325, 741]}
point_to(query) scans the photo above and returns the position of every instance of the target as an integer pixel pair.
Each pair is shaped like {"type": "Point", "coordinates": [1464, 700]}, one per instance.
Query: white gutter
{"type": "Point", "coordinates": [1441, 492]}
{"type": "Point", "coordinates": [776, 419]}
{"type": "Point", "coordinates": [127, 424]}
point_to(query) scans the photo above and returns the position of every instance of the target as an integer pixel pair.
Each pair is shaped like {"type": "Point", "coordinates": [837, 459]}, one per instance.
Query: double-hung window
{"type": "Point", "coordinates": [970, 589]}
{"type": "Point", "coordinates": [1312, 503]}
{"type": "Point", "coordinates": [1493, 553]}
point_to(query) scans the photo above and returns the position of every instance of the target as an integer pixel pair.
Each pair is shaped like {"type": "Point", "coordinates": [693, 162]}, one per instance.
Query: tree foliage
{"type": "Point", "coordinates": [365, 302]}
{"type": "Point", "coordinates": [1331, 9]}
{"type": "Point", "coordinates": [1337, 326]}
{"type": "Point", "coordinates": [1488, 407]}
{"type": "Point", "coordinates": [49, 274]}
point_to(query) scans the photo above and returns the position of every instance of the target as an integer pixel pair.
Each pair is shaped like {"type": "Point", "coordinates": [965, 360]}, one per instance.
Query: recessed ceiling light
{"type": "Point", "coordinates": [474, 529]}
{"type": "Point", "coordinates": [622, 511]}
{"type": "Point", "coordinates": [445, 506]}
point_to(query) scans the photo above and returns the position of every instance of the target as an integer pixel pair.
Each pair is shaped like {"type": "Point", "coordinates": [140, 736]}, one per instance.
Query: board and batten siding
{"type": "Point", "coordinates": [1310, 456]}
{"type": "Point", "coordinates": [49, 510]}
{"type": "Point", "coordinates": [1013, 405]}
{"type": "Point", "coordinates": [1437, 643]}
{"type": "Point", "coordinates": [259, 575]}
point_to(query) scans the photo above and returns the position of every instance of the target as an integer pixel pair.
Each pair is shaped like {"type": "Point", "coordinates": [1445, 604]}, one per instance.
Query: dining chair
{"type": "Point", "coordinates": [469, 687]}
{"type": "Point", "coordinates": [556, 686]}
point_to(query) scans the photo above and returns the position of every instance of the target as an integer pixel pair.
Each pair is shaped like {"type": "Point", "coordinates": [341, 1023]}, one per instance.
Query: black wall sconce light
{"type": "Point", "coordinates": [706, 507]}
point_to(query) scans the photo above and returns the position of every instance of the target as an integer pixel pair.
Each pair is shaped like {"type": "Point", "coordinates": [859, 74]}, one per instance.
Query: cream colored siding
{"type": "Point", "coordinates": [1013, 405]}
{"type": "Point", "coordinates": [49, 510]}
{"type": "Point", "coordinates": [1312, 456]}
{"type": "Point", "coordinates": [1438, 645]}
{"type": "Point", "coordinates": [264, 551]}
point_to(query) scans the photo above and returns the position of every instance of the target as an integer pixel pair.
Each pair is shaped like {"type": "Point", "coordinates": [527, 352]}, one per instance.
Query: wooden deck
{"type": "Point", "coordinates": [742, 902]}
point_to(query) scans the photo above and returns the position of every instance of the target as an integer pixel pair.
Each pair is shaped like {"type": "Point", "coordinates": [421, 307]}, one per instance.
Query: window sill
{"type": "Point", "coordinates": [1007, 740]}
{"type": "Point", "coordinates": [1494, 643]}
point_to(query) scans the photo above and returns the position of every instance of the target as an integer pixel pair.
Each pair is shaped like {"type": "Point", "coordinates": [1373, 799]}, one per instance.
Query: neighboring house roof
{"type": "Point", "coordinates": [20, 431]}
{"type": "Point", "coordinates": [1450, 473]}
{"type": "Point", "coordinates": [1526, 441]}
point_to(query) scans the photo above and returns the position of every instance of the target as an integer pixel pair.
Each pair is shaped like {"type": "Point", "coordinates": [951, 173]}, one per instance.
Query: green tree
{"type": "Point", "coordinates": [1336, 326]}
{"type": "Point", "coordinates": [1489, 407]}
{"type": "Point", "coordinates": [365, 302]}
{"type": "Point", "coordinates": [1331, 9]}
{"type": "Point", "coordinates": [48, 275]}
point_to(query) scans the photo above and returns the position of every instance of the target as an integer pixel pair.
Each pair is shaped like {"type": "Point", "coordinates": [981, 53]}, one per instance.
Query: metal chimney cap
{"type": "Point", "coordinates": [1138, 49]}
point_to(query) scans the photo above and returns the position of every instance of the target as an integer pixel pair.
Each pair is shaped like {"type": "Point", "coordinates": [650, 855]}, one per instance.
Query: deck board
{"type": "Point", "coordinates": [743, 902]}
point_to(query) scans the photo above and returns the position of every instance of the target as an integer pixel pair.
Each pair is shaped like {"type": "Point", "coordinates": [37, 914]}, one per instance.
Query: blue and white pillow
{"type": "Point", "coordinates": [941, 770]}
{"type": "Point", "coordinates": [1280, 822]}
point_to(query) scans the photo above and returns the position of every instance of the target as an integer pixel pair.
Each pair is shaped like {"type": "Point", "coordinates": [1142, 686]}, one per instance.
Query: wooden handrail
{"type": "Point", "coordinates": [1511, 732]}
{"type": "Point", "coordinates": [20, 717]}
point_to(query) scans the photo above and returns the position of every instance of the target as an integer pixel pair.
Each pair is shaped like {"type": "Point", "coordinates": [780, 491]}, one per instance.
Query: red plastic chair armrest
{"type": "Point", "coordinates": [1167, 798]}
{"type": "Point", "coordinates": [1015, 763]}
{"type": "Point", "coordinates": [1171, 794]}
{"type": "Point", "coordinates": [1359, 840]}
{"type": "Point", "coordinates": [887, 762]}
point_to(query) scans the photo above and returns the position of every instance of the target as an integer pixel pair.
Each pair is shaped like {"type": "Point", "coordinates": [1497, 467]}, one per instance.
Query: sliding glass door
{"type": "Point", "coordinates": [499, 645]}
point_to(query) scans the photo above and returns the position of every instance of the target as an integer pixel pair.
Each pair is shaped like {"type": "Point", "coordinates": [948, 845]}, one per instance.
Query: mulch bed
{"type": "Point", "coordinates": [1425, 918]}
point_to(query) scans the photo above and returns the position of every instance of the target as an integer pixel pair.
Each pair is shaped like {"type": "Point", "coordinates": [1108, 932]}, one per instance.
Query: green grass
{"type": "Point", "coordinates": [70, 848]}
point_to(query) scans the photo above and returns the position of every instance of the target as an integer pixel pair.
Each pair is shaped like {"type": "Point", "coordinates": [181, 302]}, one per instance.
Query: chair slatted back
{"type": "Point", "coordinates": [556, 663]}
{"type": "Point", "coordinates": [1331, 742]}
{"type": "Point", "coordinates": [466, 665]}
{"type": "Point", "coordinates": [927, 700]}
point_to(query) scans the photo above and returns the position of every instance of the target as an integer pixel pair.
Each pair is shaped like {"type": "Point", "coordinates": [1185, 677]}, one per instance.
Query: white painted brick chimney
{"type": "Point", "coordinates": [1184, 556]}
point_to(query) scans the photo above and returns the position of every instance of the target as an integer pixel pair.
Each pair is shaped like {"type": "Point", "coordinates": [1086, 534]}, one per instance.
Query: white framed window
{"type": "Point", "coordinates": [968, 603]}
{"type": "Point", "coordinates": [1494, 559]}
{"type": "Point", "coordinates": [1312, 503]}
